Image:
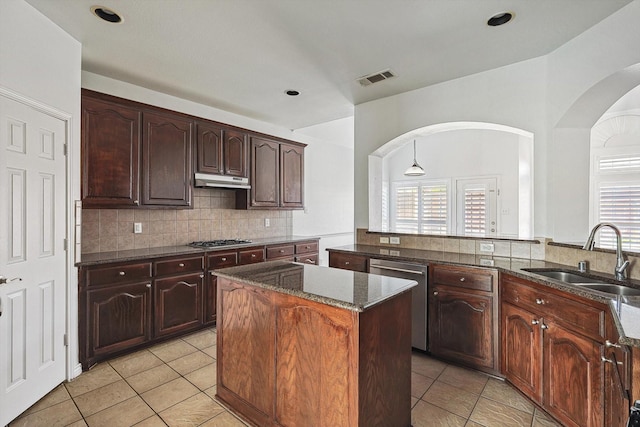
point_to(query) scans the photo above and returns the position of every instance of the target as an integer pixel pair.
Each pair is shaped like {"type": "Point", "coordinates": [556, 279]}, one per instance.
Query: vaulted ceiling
{"type": "Point", "coordinates": [242, 55]}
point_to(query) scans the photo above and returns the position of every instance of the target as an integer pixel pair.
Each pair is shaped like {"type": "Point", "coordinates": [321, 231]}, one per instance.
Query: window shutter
{"type": "Point", "coordinates": [407, 209]}
{"type": "Point", "coordinates": [620, 205]}
{"type": "Point", "coordinates": [475, 211]}
{"type": "Point", "coordinates": [434, 209]}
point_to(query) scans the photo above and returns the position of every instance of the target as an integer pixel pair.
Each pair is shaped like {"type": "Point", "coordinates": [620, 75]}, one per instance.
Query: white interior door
{"type": "Point", "coordinates": [32, 256]}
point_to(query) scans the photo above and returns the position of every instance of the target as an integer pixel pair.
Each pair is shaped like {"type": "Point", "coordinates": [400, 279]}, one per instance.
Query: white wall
{"type": "Point", "coordinates": [546, 96]}
{"type": "Point", "coordinates": [41, 62]}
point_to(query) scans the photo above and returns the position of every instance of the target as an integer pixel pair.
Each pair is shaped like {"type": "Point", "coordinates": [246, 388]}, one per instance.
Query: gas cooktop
{"type": "Point", "coordinates": [216, 243]}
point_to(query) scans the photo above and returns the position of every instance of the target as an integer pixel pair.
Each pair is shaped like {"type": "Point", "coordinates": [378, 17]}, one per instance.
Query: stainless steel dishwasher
{"type": "Point", "coordinates": [415, 272]}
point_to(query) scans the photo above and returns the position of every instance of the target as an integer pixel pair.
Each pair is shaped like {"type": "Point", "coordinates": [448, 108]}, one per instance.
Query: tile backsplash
{"type": "Point", "coordinates": [213, 217]}
{"type": "Point", "coordinates": [598, 261]}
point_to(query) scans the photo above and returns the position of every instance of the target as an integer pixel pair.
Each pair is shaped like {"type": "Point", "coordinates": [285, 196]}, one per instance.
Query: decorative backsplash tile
{"type": "Point", "coordinates": [213, 217]}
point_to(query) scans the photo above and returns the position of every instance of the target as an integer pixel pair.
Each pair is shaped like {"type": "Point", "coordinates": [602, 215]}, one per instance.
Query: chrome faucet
{"type": "Point", "coordinates": [621, 264]}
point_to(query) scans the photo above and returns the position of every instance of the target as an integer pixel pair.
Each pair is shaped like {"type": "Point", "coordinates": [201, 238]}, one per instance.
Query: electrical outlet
{"type": "Point", "coordinates": [394, 240]}
{"type": "Point", "coordinates": [486, 247]}
{"type": "Point", "coordinates": [487, 262]}
{"type": "Point", "coordinates": [394, 253]}
{"type": "Point", "coordinates": [384, 240]}
{"type": "Point", "coordinates": [137, 227]}
{"type": "Point", "coordinates": [267, 223]}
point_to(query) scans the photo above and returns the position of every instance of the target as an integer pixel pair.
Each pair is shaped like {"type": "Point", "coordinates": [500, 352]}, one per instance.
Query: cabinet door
{"type": "Point", "coordinates": [522, 350]}
{"type": "Point", "coordinates": [461, 326]}
{"type": "Point", "coordinates": [209, 146]}
{"type": "Point", "coordinates": [572, 377]}
{"type": "Point", "coordinates": [265, 172]}
{"type": "Point", "coordinates": [166, 156]}
{"type": "Point", "coordinates": [178, 304]}
{"type": "Point", "coordinates": [235, 153]}
{"type": "Point", "coordinates": [291, 176]}
{"type": "Point", "coordinates": [245, 365]}
{"type": "Point", "coordinates": [210, 297]}
{"type": "Point", "coordinates": [110, 154]}
{"type": "Point", "coordinates": [616, 397]}
{"type": "Point", "coordinates": [118, 318]}
{"type": "Point", "coordinates": [349, 262]}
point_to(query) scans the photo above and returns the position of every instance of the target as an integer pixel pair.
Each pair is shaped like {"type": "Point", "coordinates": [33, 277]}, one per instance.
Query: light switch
{"type": "Point", "coordinates": [137, 227]}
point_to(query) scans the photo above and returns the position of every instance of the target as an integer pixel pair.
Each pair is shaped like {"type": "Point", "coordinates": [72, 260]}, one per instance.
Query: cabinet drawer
{"type": "Point", "coordinates": [576, 313]}
{"type": "Point", "coordinates": [222, 259]}
{"type": "Point", "coordinates": [250, 256]}
{"type": "Point", "coordinates": [469, 278]}
{"type": "Point", "coordinates": [178, 265]}
{"type": "Point", "coordinates": [306, 248]}
{"type": "Point", "coordinates": [349, 262]}
{"type": "Point", "coordinates": [282, 251]}
{"type": "Point", "coordinates": [118, 274]}
{"type": "Point", "coordinates": [308, 259]}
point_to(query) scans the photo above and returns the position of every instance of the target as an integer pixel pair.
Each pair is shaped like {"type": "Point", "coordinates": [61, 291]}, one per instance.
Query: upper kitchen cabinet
{"type": "Point", "coordinates": [277, 176]}
{"type": "Point", "coordinates": [110, 154]}
{"type": "Point", "coordinates": [220, 150]}
{"type": "Point", "coordinates": [134, 154]}
{"type": "Point", "coordinates": [166, 160]}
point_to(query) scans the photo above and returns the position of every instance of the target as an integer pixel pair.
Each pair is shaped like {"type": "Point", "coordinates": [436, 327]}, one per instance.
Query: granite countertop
{"type": "Point", "coordinates": [625, 309]}
{"type": "Point", "coordinates": [138, 254]}
{"type": "Point", "coordinates": [331, 286]}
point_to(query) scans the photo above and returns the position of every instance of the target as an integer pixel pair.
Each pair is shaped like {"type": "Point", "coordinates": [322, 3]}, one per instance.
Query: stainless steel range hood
{"type": "Point", "coordinates": [221, 181]}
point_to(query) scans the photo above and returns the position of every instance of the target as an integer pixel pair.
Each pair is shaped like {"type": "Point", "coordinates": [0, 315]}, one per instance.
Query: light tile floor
{"type": "Point", "coordinates": [174, 384]}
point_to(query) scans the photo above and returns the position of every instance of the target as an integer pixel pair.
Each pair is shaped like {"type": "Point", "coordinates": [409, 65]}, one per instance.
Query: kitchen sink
{"type": "Point", "coordinates": [565, 276]}
{"type": "Point", "coordinates": [612, 289]}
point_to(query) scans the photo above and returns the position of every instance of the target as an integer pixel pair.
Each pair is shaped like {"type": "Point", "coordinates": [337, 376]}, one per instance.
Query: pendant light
{"type": "Point", "coordinates": [415, 169]}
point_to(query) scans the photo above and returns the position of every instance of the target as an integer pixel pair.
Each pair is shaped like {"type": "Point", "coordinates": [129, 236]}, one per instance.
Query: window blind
{"type": "Point", "coordinates": [620, 205]}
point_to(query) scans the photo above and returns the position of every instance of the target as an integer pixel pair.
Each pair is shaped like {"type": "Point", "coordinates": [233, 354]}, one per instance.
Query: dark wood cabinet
{"type": "Point", "coordinates": [214, 261]}
{"type": "Point", "coordinates": [291, 176]}
{"type": "Point", "coordinates": [178, 304]}
{"type": "Point", "coordinates": [553, 347]}
{"type": "Point", "coordinates": [463, 316]}
{"type": "Point", "coordinates": [166, 160]}
{"type": "Point", "coordinates": [134, 154]}
{"type": "Point", "coordinates": [221, 150]}
{"type": "Point", "coordinates": [522, 347]}
{"type": "Point", "coordinates": [617, 381]}
{"type": "Point", "coordinates": [349, 261]}
{"type": "Point", "coordinates": [119, 317]}
{"type": "Point", "coordinates": [110, 154]}
{"type": "Point", "coordinates": [277, 176]}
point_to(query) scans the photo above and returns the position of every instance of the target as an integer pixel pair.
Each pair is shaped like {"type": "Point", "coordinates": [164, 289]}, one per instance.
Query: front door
{"type": "Point", "coordinates": [32, 256]}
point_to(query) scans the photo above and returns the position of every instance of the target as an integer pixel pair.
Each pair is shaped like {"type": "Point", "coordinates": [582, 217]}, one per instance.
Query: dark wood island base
{"type": "Point", "coordinates": [314, 346]}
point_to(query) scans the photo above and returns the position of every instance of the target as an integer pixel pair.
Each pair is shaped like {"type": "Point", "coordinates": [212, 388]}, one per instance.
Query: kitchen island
{"type": "Point", "coordinates": [314, 346]}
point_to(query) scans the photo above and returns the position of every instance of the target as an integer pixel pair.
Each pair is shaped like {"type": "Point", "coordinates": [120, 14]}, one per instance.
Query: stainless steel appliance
{"type": "Point", "coordinates": [220, 242]}
{"type": "Point", "coordinates": [415, 272]}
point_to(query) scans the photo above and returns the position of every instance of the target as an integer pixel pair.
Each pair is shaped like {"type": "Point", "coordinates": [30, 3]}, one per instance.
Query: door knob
{"type": "Point", "coordinates": [4, 280]}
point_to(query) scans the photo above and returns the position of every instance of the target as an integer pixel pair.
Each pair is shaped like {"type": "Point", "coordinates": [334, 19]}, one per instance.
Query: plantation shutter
{"type": "Point", "coordinates": [407, 209]}
{"type": "Point", "coordinates": [475, 211]}
{"type": "Point", "coordinates": [620, 205]}
{"type": "Point", "coordinates": [434, 209]}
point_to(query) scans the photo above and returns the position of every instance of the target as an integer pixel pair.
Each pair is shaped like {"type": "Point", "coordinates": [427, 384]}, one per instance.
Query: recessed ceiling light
{"type": "Point", "coordinates": [106, 14]}
{"type": "Point", "coordinates": [500, 19]}
{"type": "Point", "coordinates": [292, 92]}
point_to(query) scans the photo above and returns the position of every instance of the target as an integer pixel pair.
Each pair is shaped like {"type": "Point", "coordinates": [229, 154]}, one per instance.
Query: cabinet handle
{"type": "Point", "coordinates": [281, 251]}
{"type": "Point", "coordinates": [191, 285]}
{"type": "Point", "coordinates": [539, 301]}
{"type": "Point", "coordinates": [253, 255]}
{"type": "Point", "coordinates": [543, 326]}
{"type": "Point", "coordinates": [202, 276]}
{"type": "Point", "coordinates": [346, 263]}
{"type": "Point", "coordinates": [148, 285]}
{"type": "Point", "coordinates": [604, 359]}
{"type": "Point", "coordinates": [212, 273]}
{"type": "Point", "coordinates": [181, 264]}
{"type": "Point", "coordinates": [609, 344]}
{"type": "Point", "coordinates": [122, 273]}
{"type": "Point", "coordinates": [136, 202]}
{"type": "Point", "coordinates": [535, 322]}
{"type": "Point", "coordinates": [310, 261]}
{"type": "Point", "coordinates": [435, 293]}
{"type": "Point", "coordinates": [307, 247]}
{"type": "Point", "coordinates": [223, 259]}
{"type": "Point", "coordinates": [462, 279]}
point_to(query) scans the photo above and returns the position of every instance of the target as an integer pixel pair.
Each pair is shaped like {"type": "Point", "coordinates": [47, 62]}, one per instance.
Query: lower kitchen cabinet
{"type": "Point", "coordinates": [552, 350]}
{"type": "Point", "coordinates": [463, 316]}
{"type": "Point", "coordinates": [118, 317]}
{"type": "Point", "coordinates": [178, 304]}
{"type": "Point", "coordinates": [617, 381]}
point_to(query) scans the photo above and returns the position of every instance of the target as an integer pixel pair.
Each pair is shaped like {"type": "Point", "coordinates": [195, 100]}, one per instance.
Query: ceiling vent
{"type": "Point", "coordinates": [375, 77]}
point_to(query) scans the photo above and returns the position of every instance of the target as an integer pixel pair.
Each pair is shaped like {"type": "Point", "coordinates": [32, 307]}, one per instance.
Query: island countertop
{"type": "Point", "coordinates": [335, 287]}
